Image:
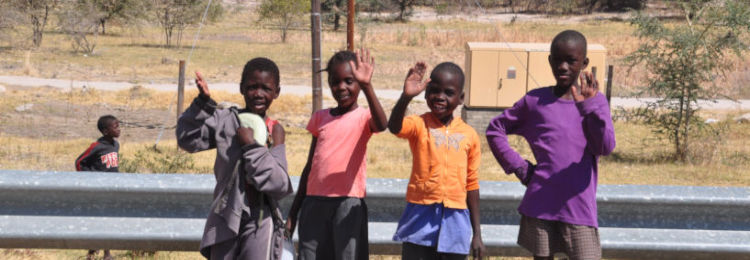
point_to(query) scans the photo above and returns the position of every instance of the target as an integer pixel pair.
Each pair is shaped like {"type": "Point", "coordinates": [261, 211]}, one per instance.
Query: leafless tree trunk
{"type": "Point", "coordinates": [38, 22]}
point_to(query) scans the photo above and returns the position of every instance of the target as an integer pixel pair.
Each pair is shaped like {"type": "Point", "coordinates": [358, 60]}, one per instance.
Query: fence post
{"type": "Point", "coordinates": [180, 88]}
{"type": "Point", "coordinates": [609, 84]}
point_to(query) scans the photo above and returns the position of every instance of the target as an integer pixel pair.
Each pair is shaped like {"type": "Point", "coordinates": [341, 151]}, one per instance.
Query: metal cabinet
{"type": "Point", "coordinates": [498, 74]}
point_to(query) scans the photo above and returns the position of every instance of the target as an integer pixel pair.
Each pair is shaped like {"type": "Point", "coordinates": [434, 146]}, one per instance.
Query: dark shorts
{"type": "Point", "coordinates": [333, 228]}
{"type": "Point", "coordinates": [411, 251]}
{"type": "Point", "coordinates": [545, 238]}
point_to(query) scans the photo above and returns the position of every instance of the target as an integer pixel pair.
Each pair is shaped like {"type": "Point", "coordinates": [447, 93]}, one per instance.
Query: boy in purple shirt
{"type": "Point", "coordinates": [568, 126]}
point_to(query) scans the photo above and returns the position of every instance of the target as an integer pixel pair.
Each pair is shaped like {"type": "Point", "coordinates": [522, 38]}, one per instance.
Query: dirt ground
{"type": "Point", "coordinates": [56, 119]}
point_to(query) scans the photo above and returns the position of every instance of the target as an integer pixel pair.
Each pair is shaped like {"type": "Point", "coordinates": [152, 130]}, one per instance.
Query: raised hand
{"type": "Point", "coordinates": [589, 86]}
{"type": "Point", "coordinates": [364, 67]}
{"type": "Point", "coordinates": [202, 85]}
{"type": "Point", "coordinates": [413, 84]}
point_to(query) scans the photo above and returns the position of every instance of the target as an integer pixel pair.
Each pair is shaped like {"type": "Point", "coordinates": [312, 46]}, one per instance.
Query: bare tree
{"type": "Point", "coordinates": [79, 20]}
{"type": "Point", "coordinates": [35, 12]}
{"type": "Point", "coordinates": [283, 12]}
{"type": "Point", "coordinates": [176, 15]}
{"type": "Point", "coordinates": [111, 9]}
{"type": "Point", "coordinates": [405, 7]}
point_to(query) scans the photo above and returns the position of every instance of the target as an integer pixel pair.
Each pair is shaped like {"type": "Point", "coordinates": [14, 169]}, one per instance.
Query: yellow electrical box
{"type": "Point", "coordinates": [498, 74]}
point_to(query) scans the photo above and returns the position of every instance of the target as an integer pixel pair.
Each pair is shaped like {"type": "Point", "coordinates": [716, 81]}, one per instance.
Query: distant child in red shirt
{"type": "Point", "coordinates": [102, 156]}
{"type": "Point", "coordinates": [330, 202]}
{"type": "Point", "coordinates": [441, 219]}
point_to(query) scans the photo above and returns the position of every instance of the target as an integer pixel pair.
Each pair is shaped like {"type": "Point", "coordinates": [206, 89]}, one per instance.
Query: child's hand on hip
{"type": "Point", "coordinates": [364, 67]}
{"type": "Point", "coordinates": [246, 135]}
{"type": "Point", "coordinates": [413, 84]}
{"type": "Point", "coordinates": [589, 87]}
{"type": "Point", "coordinates": [202, 85]}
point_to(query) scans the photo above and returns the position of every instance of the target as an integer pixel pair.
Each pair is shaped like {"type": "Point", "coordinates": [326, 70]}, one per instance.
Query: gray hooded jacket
{"type": "Point", "coordinates": [201, 127]}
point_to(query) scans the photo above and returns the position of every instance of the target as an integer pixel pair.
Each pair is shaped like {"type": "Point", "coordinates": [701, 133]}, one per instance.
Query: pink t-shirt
{"type": "Point", "coordinates": [339, 165]}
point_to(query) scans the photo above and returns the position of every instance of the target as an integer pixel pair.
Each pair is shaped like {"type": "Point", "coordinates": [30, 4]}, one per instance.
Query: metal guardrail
{"type": "Point", "coordinates": [167, 211]}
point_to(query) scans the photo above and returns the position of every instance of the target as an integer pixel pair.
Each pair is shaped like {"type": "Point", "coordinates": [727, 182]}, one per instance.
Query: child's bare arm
{"type": "Point", "coordinates": [362, 71]}
{"type": "Point", "coordinates": [291, 221]}
{"type": "Point", "coordinates": [474, 158]}
{"type": "Point", "coordinates": [413, 85]}
{"type": "Point", "coordinates": [477, 245]}
{"type": "Point", "coordinates": [278, 135]}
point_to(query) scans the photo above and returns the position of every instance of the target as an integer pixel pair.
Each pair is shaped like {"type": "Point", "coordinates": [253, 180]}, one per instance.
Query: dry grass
{"type": "Point", "coordinates": [637, 160]}
{"type": "Point", "coordinates": [640, 157]}
{"type": "Point", "coordinates": [135, 55]}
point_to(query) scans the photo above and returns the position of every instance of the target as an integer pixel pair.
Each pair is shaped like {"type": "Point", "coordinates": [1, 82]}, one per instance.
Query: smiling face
{"type": "Point", "coordinates": [344, 88]}
{"type": "Point", "coordinates": [259, 91]}
{"type": "Point", "coordinates": [444, 93]}
{"type": "Point", "coordinates": [567, 59]}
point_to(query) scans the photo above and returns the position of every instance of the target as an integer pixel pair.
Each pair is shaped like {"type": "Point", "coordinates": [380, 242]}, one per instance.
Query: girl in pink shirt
{"type": "Point", "coordinates": [330, 196]}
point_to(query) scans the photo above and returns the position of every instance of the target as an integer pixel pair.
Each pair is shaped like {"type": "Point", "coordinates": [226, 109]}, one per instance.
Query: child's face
{"type": "Point", "coordinates": [259, 91]}
{"type": "Point", "coordinates": [344, 88]}
{"type": "Point", "coordinates": [443, 95]}
{"type": "Point", "coordinates": [113, 129]}
{"type": "Point", "coordinates": [567, 59]}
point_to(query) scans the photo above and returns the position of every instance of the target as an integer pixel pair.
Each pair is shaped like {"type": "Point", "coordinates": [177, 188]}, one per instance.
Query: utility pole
{"type": "Point", "coordinates": [350, 27]}
{"type": "Point", "coordinates": [317, 92]}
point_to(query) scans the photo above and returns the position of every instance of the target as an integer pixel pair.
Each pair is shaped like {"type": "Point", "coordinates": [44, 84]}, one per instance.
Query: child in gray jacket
{"type": "Point", "coordinates": [244, 221]}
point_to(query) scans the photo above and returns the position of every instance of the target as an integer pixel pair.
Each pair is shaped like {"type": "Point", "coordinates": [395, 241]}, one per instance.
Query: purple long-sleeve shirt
{"type": "Point", "coordinates": [566, 138]}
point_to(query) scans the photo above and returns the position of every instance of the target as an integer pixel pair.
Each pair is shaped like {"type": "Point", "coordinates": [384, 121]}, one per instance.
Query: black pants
{"type": "Point", "coordinates": [333, 229]}
{"type": "Point", "coordinates": [411, 251]}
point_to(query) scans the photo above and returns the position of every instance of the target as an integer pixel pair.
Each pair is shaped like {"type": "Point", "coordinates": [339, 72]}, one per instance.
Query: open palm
{"type": "Point", "coordinates": [413, 84]}
{"type": "Point", "coordinates": [364, 67]}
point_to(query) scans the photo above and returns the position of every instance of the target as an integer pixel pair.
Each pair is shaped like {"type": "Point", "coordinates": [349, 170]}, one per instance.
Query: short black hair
{"type": "Point", "coordinates": [104, 122]}
{"type": "Point", "coordinates": [261, 64]}
{"type": "Point", "coordinates": [570, 36]}
{"type": "Point", "coordinates": [339, 58]}
{"type": "Point", "coordinates": [449, 67]}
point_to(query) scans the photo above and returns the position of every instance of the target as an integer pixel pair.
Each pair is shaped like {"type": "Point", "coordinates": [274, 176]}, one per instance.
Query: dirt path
{"type": "Point", "coordinates": [722, 104]}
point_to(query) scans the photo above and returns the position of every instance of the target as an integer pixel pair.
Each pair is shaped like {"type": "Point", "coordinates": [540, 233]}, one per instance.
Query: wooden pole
{"type": "Point", "coordinates": [610, 70]}
{"type": "Point", "coordinates": [350, 27]}
{"type": "Point", "coordinates": [317, 93]}
{"type": "Point", "coordinates": [180, 88]}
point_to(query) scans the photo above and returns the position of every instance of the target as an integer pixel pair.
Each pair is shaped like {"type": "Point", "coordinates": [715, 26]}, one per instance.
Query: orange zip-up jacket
{"type": "Point", "coordinates": [445, 160]}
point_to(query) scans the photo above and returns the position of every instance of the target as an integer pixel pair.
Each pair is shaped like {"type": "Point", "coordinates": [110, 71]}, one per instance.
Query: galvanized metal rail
{"type": "Point", "coordinates": [167, 211]}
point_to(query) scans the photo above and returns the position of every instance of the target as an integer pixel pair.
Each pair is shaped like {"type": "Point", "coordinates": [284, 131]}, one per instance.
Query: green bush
{"type": "Point", "coordinates": [151, 159]}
